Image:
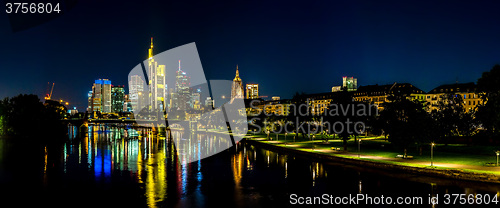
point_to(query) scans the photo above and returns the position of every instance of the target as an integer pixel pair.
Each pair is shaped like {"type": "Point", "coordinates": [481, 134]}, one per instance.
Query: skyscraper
{"type": "Point", "coordinates": [209, 102]}
{"type": "Point", "coordinates": [90, 100]}
{"type": "Point", "coordinates": [117, 98]}
{"type": "Point", "coordinates": [252, 91]}
{"type": "Point", "coordinates": [157, 85]}
{"type": "Point", "coordinates": [237, 87]}
{"type": "Point", "coordinates": [350, 83]}
{"type": "Point", "coordinates": [195, 101]}
{"type": "Point", "coordinates": [101, 96]}
{"type": "Point", "coordinates": [136, 94]}
{"type": "Point", "coordinates": [182, 91]}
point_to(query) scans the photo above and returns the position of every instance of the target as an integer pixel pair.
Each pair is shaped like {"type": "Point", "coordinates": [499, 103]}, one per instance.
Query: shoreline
{"type": "Point", "coordinates": [449, 173]}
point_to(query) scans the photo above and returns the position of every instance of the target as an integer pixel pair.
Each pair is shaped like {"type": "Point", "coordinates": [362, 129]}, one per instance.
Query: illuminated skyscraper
{"type": "Point", "coordinates": [252, 91]}
{"type": "Point", "coordinates": [117, 99]}
{"type": "Point", "coordinates": [237, 88]}
{"type": "Point", "coordinates": [90, 100]}
{"type": "Point", "coordinates": [349, 83]}
{"type": "Point", "coordinates": [157, 85]}
{"type": "Point", "coordinates": [136, 94]}
{"type": "Point", "coordinates": [101, 96]}
{"type": "Point", "coordinates": [209, 102]}
{"type": "Point", "coordinates": [182, 91]}
{"type": "Point", "coordinates": [195, 101]}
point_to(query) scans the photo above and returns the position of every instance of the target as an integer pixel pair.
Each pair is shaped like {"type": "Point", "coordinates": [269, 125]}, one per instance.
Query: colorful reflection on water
{"type": "Point", "coordinates": [128, 166]}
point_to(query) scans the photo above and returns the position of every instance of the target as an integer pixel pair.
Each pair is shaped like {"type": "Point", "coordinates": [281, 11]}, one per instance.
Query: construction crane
{"type": "Point", "coordinates": [49, 95]}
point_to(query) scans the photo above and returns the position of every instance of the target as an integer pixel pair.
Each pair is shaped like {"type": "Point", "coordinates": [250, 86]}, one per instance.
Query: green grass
{"type": "Point", "coordinates": [453, 154]}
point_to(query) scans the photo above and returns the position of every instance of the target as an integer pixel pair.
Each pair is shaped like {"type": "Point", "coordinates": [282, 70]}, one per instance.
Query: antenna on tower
{"type": "Point", "coordinates": [179, 64]}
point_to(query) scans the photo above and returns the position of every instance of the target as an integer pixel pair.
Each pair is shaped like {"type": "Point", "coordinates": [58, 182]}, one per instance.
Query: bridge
{"type": "Point", "coordinates": [79, 122]}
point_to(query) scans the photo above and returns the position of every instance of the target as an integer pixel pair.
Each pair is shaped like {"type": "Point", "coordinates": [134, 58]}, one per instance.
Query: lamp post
{"type": "Point", "coordinates": [294, 135]}
{"type": "Point", "coordinates": [254, 132]}
{"type": "Point", "coordinates": [432, 153]}
{"type": "Point", "coordinates": [498, 153]}
{"type": "Point", "coordinates": [326, 136]}
{"type": "Point", "coordinates": [285, 138]}
{"type": "Point", "coordinates": [359, 147]}
{"type": "Point", "coordinates": [314, 136]}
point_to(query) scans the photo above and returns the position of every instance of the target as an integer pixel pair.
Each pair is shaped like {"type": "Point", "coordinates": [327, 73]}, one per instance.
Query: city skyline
{"type": "Point", "coordinates": [310, 48]}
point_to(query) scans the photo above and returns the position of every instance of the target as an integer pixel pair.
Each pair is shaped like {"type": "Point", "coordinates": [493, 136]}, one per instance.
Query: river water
{"type": "Point", "coordinates": [113, 166]}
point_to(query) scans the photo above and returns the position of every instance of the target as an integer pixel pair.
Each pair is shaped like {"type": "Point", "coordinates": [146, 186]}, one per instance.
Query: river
{"type": "Point", "coordinates": [112, 166]}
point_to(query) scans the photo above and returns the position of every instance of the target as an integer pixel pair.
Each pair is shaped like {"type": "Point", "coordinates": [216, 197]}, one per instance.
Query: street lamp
{"type": "Point", "coordinates": [294, 135]}
{"type": "Point", "coordinates": [359, 147]}
{"type": "Point", "coordinates": [314, 136]}
{"type": "Point", "coordinates": [432, 153]}
{"type": "Point", "coordinates": [326, 135]}
{"type": "Point", "coordinates": [498, 153]}
{"type": "Point", "coordinates": [285, 137]}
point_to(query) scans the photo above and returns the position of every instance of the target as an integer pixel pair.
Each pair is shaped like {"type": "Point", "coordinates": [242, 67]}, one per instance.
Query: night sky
{"type": "Point", "coordinates": [285, 47]}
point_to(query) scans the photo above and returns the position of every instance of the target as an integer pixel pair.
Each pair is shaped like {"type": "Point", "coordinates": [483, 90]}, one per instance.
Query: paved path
{"type": "Point", "coordinates": [307, 146]}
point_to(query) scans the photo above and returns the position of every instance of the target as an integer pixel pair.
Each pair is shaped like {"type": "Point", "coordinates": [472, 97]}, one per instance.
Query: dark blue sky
{"type": "Point", "coordinates": [283, 46]}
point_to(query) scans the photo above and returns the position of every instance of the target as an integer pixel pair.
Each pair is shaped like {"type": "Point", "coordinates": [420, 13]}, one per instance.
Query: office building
{"type": "Point", "coordinates": [349, 83]}
{"type": "Point", "coordinates": [252, 91]}
{"type": "Point", "coordinates": [237, 87]}
{"type": "Point", "coordinates": [117, 98]}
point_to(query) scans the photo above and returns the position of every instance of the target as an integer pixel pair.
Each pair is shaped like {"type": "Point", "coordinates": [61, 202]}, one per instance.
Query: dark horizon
{"type": "Point", "coordinates": [284, 47]}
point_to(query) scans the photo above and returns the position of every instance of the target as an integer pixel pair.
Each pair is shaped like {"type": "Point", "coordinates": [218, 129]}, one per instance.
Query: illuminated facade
{"type": "Point", "coordinates": [89, 101]}
{"type": "Point", "coordinates": [182, 95]}
{"type": "Point", "coordinates": [318, 103]}
{"type": "Point", "coordinates": [157, 85]}
{"type": "Point", "coordinates": [101, 96]}
{"type": "Point", "coordinates": [467, 91]}
{"type": "Point", "coordinates": [195, 100]}
{"type": "Point", "coordinates": [127, 105]}
{"type": "Point", "coordinates": [336, 88]}
{"type": "Point", "coordinates": [209, 102]}
{"type": "Point", "coordinates": [276, 107]}
{"type": "Point", "coordinates": [117, 99]}
{"type": "Point", "coordinates": [237, 87]}
{"type": "Point", "coordinates": [252, 91]}
{"type": "Point", "coordinates": [378, 94]}
{"type": "Point", "coordinates": [275, 98]}
{"type": "Point", "coordinates": [136, 94]}
{"type": "Point", "coordinates": [349, 83]}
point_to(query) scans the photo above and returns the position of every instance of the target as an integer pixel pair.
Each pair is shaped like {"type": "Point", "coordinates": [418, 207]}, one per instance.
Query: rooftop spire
{"type": "Point", "coordinates": [179, 64]}
{"type": "Point", "coordinates": [237, 77]}
{"type": "Point", "coordinates": [151, 49]}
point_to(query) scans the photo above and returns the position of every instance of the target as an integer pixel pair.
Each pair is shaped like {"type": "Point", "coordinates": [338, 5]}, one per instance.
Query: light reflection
{"type": "Point", "coordinates": [360, 184]}
{"type": "Point", "coordinates": [146, 158]}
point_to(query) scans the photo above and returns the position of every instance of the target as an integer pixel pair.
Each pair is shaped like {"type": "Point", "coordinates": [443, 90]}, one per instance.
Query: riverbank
{"type": "Point", "coordinates": [324, 152]}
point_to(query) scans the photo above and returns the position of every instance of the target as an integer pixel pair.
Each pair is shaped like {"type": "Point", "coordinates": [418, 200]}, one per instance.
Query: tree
{"type": "Point", "coordinates": [488, 114]}
{"type": "Point", "coordinates": [406, 122]}
{"type": "Point", "coordinates": [25, 117]}
{"type": "Point", "coordinates": [346, 117]}
{"type": "Point", "coordinates": [451, 117]}
{"type": "Point", "coordinates": [296, 117]}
